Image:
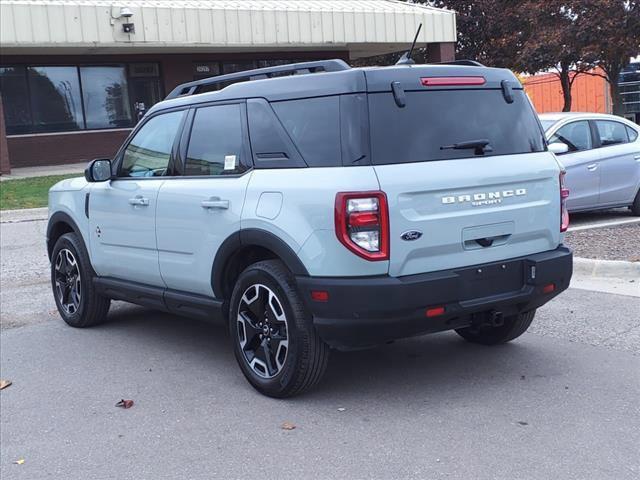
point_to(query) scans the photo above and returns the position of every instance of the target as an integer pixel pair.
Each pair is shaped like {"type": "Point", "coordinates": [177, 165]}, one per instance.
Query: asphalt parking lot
{"type": "Point", "coordinates": [561, 402]}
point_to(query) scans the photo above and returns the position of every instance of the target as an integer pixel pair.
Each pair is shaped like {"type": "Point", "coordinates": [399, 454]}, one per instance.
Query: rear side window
{"type": "Point", "coordinates": [611, 133]}
{"type": "Point", "coordinates": [432, 121]}
{"type": "Point", "coordinates": [633, 134]}
{"type": "Point", "coordinates": [215, 145]}
{"type": "Point", "coordinates": [575, 135]}
{"type": "Point", "coordinates": [314, 126]}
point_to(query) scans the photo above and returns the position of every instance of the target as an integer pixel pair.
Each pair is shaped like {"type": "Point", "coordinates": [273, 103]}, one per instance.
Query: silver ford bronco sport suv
{"type": "Point", "coordinates": [315, 206]}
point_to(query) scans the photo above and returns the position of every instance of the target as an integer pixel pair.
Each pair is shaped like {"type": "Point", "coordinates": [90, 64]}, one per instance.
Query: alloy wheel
{"type": "Point", "coordinates": [67, 281]}
{"type": "Point", "coordinates": [262, 331]}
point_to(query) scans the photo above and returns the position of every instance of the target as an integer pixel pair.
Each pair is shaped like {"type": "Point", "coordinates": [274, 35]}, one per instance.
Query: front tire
{"type": "Point", "coordinates": [274, 340]}
{"type": "Point", "coordinates": [635, 207]}
{"type": "Point", "coordinates": [513, 327]}
{"type": "Point", "coordinates": [72, 281]}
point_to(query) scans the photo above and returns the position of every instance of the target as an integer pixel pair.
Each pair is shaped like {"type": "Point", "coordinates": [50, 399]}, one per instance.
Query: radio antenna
{"type": "Point", "coordinates": [406, 59]}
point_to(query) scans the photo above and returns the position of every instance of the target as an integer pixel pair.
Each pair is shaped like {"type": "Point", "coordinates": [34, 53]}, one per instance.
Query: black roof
{"type": "Point", "coordinates": [323, 78]}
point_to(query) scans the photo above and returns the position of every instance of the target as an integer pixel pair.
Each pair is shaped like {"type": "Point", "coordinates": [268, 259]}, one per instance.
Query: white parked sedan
{"type": "Point", "coordinates": [601, 154]}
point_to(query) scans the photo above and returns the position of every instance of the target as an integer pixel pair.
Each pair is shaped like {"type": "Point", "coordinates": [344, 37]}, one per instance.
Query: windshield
{"type": "Point", "coordinates": [449, 124]}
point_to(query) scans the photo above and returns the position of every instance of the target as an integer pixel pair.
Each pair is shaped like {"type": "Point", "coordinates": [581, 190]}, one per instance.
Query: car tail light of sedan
{"type": "Point", "coordinates": [564, 213]}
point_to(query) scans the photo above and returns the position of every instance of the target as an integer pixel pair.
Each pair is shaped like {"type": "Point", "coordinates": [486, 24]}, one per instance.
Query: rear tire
{"type": "Point", "coordinates": [72, 282]}
{"type": "Point", "coordinates": [274, 340]}
{"type": "Point", "coordinates": [635, 207]}
{"type": "Point", "coordinates": [513, 327]}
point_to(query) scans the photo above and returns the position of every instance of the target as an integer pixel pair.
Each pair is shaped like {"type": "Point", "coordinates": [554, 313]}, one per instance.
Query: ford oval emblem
{"type": "Point", "coordinates": [411, 235]}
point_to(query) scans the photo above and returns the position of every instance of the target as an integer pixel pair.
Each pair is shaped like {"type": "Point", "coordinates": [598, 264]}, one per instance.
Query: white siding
{"type": "Point", "coordinates": [220, 23]}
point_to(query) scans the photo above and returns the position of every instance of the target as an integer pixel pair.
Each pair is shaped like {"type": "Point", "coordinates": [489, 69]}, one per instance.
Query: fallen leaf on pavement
{"type": "Point", "coordinates": [288, 426]}
{"type": "Point", "coordinates": [4, 384]}
{"type": "Point", "coordinates": [125, 403]}
{"type": "Point", "coordinates": [342, 409]}
{"type": "Point", "coordinates": [19, 462]}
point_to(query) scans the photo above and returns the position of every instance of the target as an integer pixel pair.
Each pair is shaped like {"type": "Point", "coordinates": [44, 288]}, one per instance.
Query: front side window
{"type": "Point", "coordinates": [575, 135]}
{"type": "Point", "coordinates": [149, 152]}
{"type": "Point", "coordinates": [611, 133]}
{"type": "Point", "coordinates": [215, 146]}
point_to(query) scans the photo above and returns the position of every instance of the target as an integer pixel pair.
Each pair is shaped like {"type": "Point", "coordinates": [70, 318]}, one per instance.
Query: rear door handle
{"type": "Point", "coordinates": [637, 158]}
{"type": "Point", "coordinates": [593, 167]}
{"type": "Point", "coordinates": [139, 200]}
{"type": "Point", "coordinates": [215, 202]}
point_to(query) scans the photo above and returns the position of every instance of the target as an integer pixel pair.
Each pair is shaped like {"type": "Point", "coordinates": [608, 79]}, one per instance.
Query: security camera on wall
{"type": "Point", "coordinates": [127, 27]}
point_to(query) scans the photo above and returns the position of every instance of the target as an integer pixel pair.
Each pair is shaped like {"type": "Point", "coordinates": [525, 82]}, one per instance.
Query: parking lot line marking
{"type": "Point", "coordinates": [603, 224]}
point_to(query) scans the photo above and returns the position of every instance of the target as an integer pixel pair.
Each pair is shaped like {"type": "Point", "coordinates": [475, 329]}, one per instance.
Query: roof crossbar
{"type": "Point", "coordinates": [192, 88]}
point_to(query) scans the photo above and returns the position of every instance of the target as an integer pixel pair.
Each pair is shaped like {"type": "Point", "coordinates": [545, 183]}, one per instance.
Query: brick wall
{"type": "Point", "coordinates": [45, 149]}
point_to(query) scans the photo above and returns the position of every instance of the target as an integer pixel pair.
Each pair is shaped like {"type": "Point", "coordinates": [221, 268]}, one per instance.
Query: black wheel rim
{"type": "Point", "coordinates": [262, 331]}
{"type": "Point", "coordinates": [67, 281]}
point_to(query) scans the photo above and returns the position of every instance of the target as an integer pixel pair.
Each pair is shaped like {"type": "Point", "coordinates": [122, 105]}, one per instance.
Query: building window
{"type": "Point", "coordinates": [205, 70]}
{"type": "Point", "coordinates": [40, 99]}
{"type": "Point", "coordinates": [106, 97]}
{"type": "Point", "coordinates": [55, 98]}
{"type": "Point", "coordinates": [15, 95]}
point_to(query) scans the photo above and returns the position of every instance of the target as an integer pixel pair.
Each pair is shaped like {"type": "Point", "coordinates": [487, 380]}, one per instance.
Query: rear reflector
{"type": "Point", "coordinates": [435, 312]}
{"type": "Point", "coordinates": [319, 295]}
{"type": "Point", "coordinates": [451, 81]}
{"type": "Point", "coordinates": [548, 288]}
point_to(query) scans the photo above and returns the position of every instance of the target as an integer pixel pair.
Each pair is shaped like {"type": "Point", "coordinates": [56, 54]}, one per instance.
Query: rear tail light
{"type": "Point", "coordinates": [362, 223]}
{"type": "Point", "coordinates": [564, 213]}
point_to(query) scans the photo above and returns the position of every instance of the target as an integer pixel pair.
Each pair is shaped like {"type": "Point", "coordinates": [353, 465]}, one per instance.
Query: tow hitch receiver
{"type": "Point", "coordinates": [492, 318]}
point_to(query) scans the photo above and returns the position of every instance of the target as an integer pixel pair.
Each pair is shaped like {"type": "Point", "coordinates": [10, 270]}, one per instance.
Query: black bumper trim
{"type": "Point", "coordinates": [364, 311]}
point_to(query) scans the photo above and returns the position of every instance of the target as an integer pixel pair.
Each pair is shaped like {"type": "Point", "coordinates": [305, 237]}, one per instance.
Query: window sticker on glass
{"type": "Point", "coordinates": [229, 162]}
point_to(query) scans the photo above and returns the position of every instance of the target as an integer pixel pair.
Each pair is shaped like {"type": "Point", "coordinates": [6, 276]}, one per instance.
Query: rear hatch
{"type": "Point", "coordinates": [494, 199]}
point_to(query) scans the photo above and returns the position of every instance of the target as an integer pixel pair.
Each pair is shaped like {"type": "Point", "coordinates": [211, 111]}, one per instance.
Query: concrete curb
{"type": "Point", "coordinates": [591, 268]}
{"type": "Point", "coordinates": [24, 215]}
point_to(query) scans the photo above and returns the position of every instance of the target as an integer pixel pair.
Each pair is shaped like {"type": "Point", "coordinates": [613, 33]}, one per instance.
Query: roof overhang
{"type": "Point", "coordinates": [361, 27]}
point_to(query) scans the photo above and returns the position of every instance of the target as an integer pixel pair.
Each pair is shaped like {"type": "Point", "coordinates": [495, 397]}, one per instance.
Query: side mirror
{"type": "Point", "coordinates": [98, 170]}
{"type": "Point", "coordinates": [558, 148]}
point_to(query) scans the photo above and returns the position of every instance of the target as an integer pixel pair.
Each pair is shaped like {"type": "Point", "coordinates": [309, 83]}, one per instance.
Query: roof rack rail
{"type": "Point", "coordinates": [191, 88]}
{"type": "Point", "coordinates": [469, 63]}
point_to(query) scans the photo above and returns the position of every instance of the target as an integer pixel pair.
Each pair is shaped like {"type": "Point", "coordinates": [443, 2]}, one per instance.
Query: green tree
{"type": "Point", "coordinates": [557, 42]}
{"type": "Point", "coordinates": [492, 32]}
{"type": "Point", "coordinates": [612, 32]}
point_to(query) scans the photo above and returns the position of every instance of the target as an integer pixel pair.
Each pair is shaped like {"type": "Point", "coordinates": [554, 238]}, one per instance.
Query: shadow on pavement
{"type": "Point", "coordinates": [439, 364]}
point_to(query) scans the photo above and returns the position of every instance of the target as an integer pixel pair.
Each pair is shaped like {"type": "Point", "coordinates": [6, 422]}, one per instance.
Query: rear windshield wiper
{"type": "Point", "coordinates": [480, 146]}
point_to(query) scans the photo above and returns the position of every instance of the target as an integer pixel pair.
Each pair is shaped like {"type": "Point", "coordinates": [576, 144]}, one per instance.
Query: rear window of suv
{"type": "Point", "coordinates": [442, 118]}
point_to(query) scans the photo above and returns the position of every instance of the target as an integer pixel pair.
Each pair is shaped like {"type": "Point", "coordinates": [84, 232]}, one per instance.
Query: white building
{"type": "Point", "coordinates": [73, 71]}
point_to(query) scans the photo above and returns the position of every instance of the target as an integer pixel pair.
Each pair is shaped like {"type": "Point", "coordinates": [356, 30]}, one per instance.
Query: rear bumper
{"type": "Point", "coordinates": [365, 311]}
